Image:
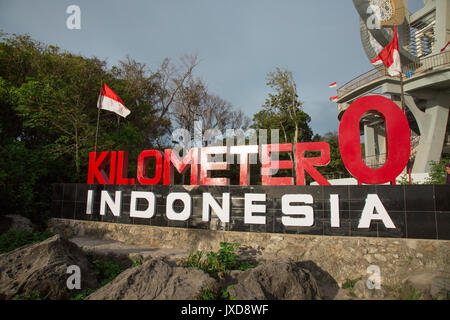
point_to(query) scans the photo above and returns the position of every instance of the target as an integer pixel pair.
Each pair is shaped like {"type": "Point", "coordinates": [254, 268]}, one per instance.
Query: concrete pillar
{"type": "Point", "coordinates": [433, 133]}
{"type": "Point", "coordinates": [369, 144]}
{"type": "Point", "coordinates": [380, 138]}
{"type": "Point", "coordinates": [442, 28]}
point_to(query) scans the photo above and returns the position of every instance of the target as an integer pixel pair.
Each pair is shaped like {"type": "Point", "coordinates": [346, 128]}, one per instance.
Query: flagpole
{"type": "Point", "coordinates": [402, 97]}
{"type": "Point", "coordinates": [118, 125]}
{"type": "Point", "coordinates": [98, 118]}
{"type": "Point", "coordinates": [402, 93]}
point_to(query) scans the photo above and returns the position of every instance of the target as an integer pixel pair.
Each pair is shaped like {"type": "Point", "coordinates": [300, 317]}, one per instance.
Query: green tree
{"type": "Point", "coordinates": [284, 111]}
{"type": "Point", "coordinates": [336, 168]}
{"type": "Point", "coordinates": [438, 172]}
{"type": "Point", "coordinates": [48, 100]}
{"type": "Point", "coordinates": [48, 116]}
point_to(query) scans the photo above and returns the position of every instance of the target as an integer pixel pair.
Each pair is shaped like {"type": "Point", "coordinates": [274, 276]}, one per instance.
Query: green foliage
{"type": "Point", "coordinates": [350, 284]}
{"type": "Point", "coordinates": [35, 295]}
{"type": "Point", "coordinates": [24, 181]}
{"type": "Point", "coordinates": [404, 179]}
{"type": "Point", "coordinates": [48, 116]}
{"type": "Point", "coordinates": [82, 296]}
{"type": "Point", "coordinates": [226, 295]}
{"type": "Point", "coordinates": [206, 294]}
{"type": "Point", "coordinates": [136, 262]}
{"type": "Point", "coordinates": [105, 270]}
{"type": "Point", "coordinates": [194, 260]}
{"type": "Point", "coordinates": [438, 173]}
{"type": "Point", "coordinates": [409, 294]}
{"type": "Point", "coordinates": [17, 238]}
{"type": "Point", "coordinates": [283, 110]}
{"type": "Point", "coordinates": [215, 263]}
{"type": "Point", "coordinates": [336, 168]}
{"type": "Point", "coordinates": [211, 294]}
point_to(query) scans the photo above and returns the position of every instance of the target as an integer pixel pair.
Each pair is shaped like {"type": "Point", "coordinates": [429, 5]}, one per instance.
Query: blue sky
{"type": "Point", "coordinates": [238, 41]}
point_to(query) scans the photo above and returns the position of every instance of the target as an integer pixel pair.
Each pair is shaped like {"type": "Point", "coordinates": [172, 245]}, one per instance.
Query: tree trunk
{"type": "Point", "coordinates": [290, 153]}
{"type": "Point", "coordinates": [294, 147]}
{"type": "Point", "coordinates": [294, 112]}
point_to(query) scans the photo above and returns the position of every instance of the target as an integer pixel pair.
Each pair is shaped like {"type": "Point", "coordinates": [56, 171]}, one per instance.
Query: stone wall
{"type": "Point", "coordinates": [344, 258]}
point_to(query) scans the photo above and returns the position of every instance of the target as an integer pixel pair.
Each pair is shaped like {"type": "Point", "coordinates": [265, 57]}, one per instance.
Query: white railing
{"type": "Point", "coordinates": [425, 65]}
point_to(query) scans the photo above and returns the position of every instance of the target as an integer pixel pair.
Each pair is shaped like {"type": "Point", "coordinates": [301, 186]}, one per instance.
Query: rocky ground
{"type": "Point", "coordinates": [39, 271]}
{"type": "Point", "coordinates": [42, 267]}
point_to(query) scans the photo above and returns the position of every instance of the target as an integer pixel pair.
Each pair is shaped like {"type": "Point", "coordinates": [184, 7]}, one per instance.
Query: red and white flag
{"type": "Point", "coordinates": [333, 85]}
{"type": "Point", "coordinates": [334, 99]}
{"type": "Point", "coordinates": [109, 100]}
{"type": "Point", "coordinates": [390, 56]}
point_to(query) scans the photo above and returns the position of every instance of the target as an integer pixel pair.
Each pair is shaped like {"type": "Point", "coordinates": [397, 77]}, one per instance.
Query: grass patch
{"type": "Point", "coordinates": [215, 263]}
{"type": "Point", "coordinates": [14, 239]}
{"type": "Point", "coordinates": [402, 292]}
{"type": "Point", "coordinates": [350, 284]}
{"type": "Point", "coordinates": [35, 295]}
{"type": "Point", "coordinates": [105, 270]}
{"type": "Point", "coordinates": [210, 294]}
{"type": "Point", "coordinates": [409, 294]}
{"type": "Point", "coordinates": [83, 295]}
{"type": "Point", "coordinates": [206, 294]}
{"type": "Point", "coordinates": [136, 262]}
{"type": "Point", "coordinates": [226, 295]}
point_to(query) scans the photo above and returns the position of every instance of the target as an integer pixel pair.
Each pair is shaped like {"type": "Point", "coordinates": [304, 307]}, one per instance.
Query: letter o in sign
{"type": "Point", "coordinates": [398, 140]}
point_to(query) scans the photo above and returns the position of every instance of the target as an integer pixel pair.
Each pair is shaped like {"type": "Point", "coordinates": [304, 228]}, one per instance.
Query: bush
{"type": "Point", "coordinates": [35, 295]}
{"type": "Point", "coordinates": [222, 261]}
{"type": "Point", "coordinates": [438, 173]}
{"type": "Point", "coordinates": [105, 270]}
{"type": "Point", "coordinates": [211, 294]}
{"type": "Point", "coordinates": [14, 239]}
{"type": "Point", "coordinates": [206, 294]}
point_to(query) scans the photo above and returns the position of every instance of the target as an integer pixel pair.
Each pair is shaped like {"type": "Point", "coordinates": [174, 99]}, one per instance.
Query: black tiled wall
{"type": "Point", "coordinates": [418, 211]}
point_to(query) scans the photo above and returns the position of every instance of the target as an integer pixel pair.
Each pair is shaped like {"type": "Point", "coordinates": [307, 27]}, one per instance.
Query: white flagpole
{"type": "Point", "coordinates": [98, 118]}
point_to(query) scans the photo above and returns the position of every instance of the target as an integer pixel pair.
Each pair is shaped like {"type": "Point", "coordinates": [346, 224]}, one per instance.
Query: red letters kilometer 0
{"type": "Point", "coordinates": [398, 145]}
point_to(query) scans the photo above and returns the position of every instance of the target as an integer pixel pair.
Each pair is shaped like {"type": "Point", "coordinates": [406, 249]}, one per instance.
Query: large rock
{"type": "Point", "coordinates": [15, 222]}
{"type": "Point", "coordinates": [283, 280]}
{"type": "Point", "coordinates": [43, 267]}
{"type": "Point", "coordinates": [431, 284]}
{"type": "Point", "coordinates": [156, 279]}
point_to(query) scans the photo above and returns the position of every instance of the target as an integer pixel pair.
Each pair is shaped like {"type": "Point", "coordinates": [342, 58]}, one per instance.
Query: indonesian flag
{"type": "Point", "coordinates": [333, 85]}
{"type": "Point", "coordinates": [390, 56]}
{"type": "Point", "coordinates": [334, 99]}
{"type": "Point", "coordinates": [109, 100]}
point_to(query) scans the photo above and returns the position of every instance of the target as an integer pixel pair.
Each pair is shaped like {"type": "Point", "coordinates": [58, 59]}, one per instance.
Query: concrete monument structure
{"type": "Point", "coordinates": [425, 54]}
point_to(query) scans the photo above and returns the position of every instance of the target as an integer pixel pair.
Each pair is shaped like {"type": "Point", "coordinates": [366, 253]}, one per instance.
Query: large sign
{"type": "Point", "coordinates": [397, 135]}
{"type": "Point", "coordinates": [277, 205]}
{"type": "Point", "coordinates": [400, 211]}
